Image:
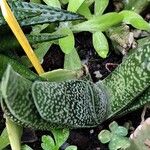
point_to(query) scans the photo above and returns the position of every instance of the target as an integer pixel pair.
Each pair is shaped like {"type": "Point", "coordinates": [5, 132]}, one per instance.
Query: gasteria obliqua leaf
{"type": "Point", "coordinates": [32, 13]}
{"type": "Point", "coordinates": [75, 103]}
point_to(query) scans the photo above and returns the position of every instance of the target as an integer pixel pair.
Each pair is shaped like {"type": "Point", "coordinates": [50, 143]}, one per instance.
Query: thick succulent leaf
{"type": "Point", "coordinates": [139, 102]}
{"type": "Point", "coordinates": [32, 13]}
{"type": "Point", "coordinates": [17, 67]}
{"type": "Point", "coordinates": [33, 39]}
{"type": "Point", "coordinates": [73, 103]}
{"type": "Point", "coordinates": [43, 37]}
{"type": "Point", "coordinates": [130, 79]}
{"type": "Point", "coordinates": [18, 103]}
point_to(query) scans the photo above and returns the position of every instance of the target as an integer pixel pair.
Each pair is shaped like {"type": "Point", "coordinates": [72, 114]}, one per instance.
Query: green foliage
{"type": "Point", "coordinates": [53, 3]}
{"type": "Point", "coordinates": [100, 6]}
{"type": "Point", "coordinates": [100, 44]}
{"type": "Point", "coordinates": [67, 43]}
{"type": "Point", "coordinates": [72, 61]}
{"type": "Point", "coordinates": [60, 136]}
{"type": "Point", "coordinates": [115, 137]}
{"type": "Point", "coordinates": [26, 147]}
{"type": "Point", "coordinates": [74, 5]}
{"type": "Point", "coordinates": [32, 14]}
{"type": "Point", "coordinates": [4, 140]}
{"type": "Point", "coordinates": [62, 75]}
{"type": "Point", "coordinates": [130, 17]}
{"type": "Point", "coordinates": [99, 23]}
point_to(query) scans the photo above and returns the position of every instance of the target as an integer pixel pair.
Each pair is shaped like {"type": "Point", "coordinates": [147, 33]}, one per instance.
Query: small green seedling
{"type": "Point", "coordinates": [60, 136]}
{"type": "Point", "coordinates": [115, 137]}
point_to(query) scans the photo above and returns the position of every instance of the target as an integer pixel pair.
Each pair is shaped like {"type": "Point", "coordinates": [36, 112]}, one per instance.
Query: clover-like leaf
{"type": "Point", "coordinates": [26, 147]}
{"type": "Point", "coordinates": [119, 142]}
{"type": "Point", "coordinates": [121, 131]}
{"type": "Point", "coordinates": [72, 147]}
{"type": "Point", "coordinates": [47, 143]}
{"type": "Point", "coordinates": [104, 136]}
{"type": "Point", "coordinates": [113, 126]}
{"type": "Point", "coordinates": [60, 136]}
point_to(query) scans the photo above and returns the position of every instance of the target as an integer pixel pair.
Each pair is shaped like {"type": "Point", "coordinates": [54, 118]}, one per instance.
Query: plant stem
{"type": "Point", "coordinates": [14, 134]}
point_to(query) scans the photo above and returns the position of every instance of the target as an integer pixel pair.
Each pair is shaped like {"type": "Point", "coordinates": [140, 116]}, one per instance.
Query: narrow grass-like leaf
{"type": "Point", "coordinates": [74, 5]}
{"type": "Point", "coordinates": [47, 143]}
{"type": "Point", "coordinates": [85, 11]}
{"type": "Point", "coordinates": [53, 3]}
{"type": "Point", "coordinates": [100, 44]}
{"type": "Point", "coordinates": [100, 6]}
{"type": "Point", "coordinates": [99, 23]}
{"type": "Point", "coordinates": [130, 17]}
{"type": "Point", "coordinates": [61, 75]}
{"type": "Point", "coordinates": [26, 147]}
{"type": "Point", "coordinates": [67, 43]}
{"type": "Point", "coordinates": [72, 61]}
